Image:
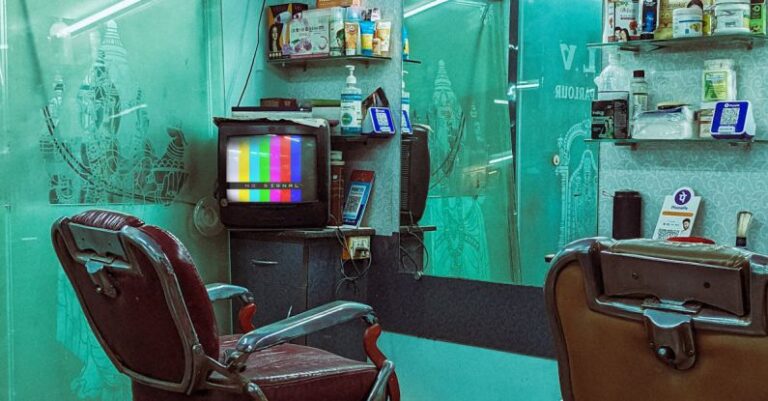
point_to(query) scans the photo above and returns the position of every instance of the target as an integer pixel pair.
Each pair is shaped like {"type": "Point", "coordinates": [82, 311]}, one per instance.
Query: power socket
{"type": "Point", "coordinates": [358, 248]}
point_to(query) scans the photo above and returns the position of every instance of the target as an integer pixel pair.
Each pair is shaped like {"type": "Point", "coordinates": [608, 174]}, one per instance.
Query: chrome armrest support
{"type": "Point", "coordinates": [220, 292]}
{"type": "Point", "coordinates": [311, 321]}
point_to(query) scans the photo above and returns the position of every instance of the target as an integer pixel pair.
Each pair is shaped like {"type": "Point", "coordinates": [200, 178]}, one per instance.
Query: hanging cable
{"type": "Point", "coordinates": [255, 53]}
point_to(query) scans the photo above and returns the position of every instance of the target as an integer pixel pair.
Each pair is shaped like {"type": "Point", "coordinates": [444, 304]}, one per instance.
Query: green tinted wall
{"type": "Point", "coordinates": [126, 127]}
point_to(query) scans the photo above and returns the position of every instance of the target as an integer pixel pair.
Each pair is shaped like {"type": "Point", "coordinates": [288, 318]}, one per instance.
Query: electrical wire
{"type": "Point", "coordinates": [255, 53]}
{"type": "Point", "coordinates": [346, 278]}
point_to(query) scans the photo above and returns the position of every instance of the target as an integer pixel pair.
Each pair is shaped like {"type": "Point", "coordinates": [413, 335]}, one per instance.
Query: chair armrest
{"type": "Point", "coordinates": [220, 292]}
{"type": "Point", "coordinates": [311, 321]}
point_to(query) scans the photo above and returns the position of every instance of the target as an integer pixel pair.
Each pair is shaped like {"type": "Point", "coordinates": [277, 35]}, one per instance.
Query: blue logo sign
{"type": "Point", "coordinates": [683, 196]}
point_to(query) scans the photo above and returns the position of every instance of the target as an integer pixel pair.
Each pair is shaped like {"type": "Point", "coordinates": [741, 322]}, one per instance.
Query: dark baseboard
{"type": "Point", "coordinates": [502, 317]}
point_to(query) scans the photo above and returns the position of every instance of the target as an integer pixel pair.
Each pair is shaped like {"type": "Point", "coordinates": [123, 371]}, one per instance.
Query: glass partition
{"type": "Point", "coordinates": [461, 95]}
{"type": "Point", "coordinates": [512, 179]}
{"type": "Point", "coordinates": [106, 104]}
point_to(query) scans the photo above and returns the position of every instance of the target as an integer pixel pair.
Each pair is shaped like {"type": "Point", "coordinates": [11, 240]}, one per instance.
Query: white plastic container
{"type": "Point", "coordinates": [731, 16]}
{"type": "Point", "coordinates": [687, 22]}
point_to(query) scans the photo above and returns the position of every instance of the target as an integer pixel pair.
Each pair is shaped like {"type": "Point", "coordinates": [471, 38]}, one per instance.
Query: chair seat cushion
{"type": "Point", "coordinates": [289, 372]}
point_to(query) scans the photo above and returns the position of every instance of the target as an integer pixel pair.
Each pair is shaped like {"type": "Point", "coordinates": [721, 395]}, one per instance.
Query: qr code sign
{"type": "Point", "coordinates": [730, 116]}
{"type": "Point", "coordinates": [665, 234]}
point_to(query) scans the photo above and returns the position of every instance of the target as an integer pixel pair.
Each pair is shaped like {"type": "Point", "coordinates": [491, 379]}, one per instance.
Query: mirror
{"type": "Point", "coordinates": [511, 178]}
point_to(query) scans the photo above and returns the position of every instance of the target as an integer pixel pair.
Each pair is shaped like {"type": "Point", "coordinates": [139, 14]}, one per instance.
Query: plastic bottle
{"type": "Point", "coordinates": [639, 93]}
{"type": "Point", "coordinates": [405, 103]}
{"type": "Point", "coordinates": [351, 106]}
{"type": "Point", "coordinates": [614, 77]}
{"type": "Point", "coordinates": [337, 32]}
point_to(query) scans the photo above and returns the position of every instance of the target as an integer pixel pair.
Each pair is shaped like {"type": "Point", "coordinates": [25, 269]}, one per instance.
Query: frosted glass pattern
{"type": "Point", "coordinates": [557, 170]}
{"type": "Point", "coordinates": [462, 95]}
{"type": "Point", "coordinates": [112, 114]}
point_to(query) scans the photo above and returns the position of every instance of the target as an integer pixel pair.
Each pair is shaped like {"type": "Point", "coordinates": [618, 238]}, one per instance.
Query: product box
{"type": "Point", "coordinates": [279, 19]}
{"type": "Point", "coordinates": [620, 20]}
{"type": "Point", "coordinates": [610, 119]}
{"type": "Point", "coordinates": [757, 18]}
{"type": "Point", "coordinates": [310, 34]}
{"type": "Point", "coordinates": [339, 3]}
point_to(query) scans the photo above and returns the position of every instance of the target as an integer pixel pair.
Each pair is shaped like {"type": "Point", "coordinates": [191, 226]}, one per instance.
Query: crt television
{"type": "Point", "coordinates": [273, 175]}
{"type": "Point", "coordinates": [415, 175]}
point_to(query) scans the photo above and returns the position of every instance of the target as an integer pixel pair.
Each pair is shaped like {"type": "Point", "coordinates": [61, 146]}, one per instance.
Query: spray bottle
{"type": "Point", "coordinates": [351, 106]}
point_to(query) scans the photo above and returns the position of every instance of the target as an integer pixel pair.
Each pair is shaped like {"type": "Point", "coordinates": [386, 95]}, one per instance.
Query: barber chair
{"type": "Point", "coordinates": [651, 320]}
{"type": "Point", "coordinates": [153, 316]}
{"type": "Point", "coordinates": [644, 320]}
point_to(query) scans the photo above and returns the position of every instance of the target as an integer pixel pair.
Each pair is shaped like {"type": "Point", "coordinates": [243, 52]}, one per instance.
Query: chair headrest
{"type": "Point", "coordinates": [713, 255]}
{"type": "Point", "coordinates": [106, 219]}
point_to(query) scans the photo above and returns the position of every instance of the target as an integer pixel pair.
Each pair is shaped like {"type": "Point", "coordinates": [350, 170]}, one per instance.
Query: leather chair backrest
{"type": "Point", "coordinates": [648, 320]}
{"type": "Point", "coordinates": [142, 295]}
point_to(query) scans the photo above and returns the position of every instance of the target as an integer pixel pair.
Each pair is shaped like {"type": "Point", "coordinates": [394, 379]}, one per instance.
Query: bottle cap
{"type": "Point", "coordinates": [351, 79]}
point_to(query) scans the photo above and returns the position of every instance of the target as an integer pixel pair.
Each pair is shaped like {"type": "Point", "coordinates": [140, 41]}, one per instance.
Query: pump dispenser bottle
{"type": "Point", "coordinates": [351, 106]}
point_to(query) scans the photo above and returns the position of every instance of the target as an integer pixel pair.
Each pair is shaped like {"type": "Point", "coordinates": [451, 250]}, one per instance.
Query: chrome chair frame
{"type": "Point", "coordinates": [103, 250]}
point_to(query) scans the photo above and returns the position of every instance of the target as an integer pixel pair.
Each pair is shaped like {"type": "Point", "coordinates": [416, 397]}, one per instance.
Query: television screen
{"type": "Point", "coordinates": [272, 169]}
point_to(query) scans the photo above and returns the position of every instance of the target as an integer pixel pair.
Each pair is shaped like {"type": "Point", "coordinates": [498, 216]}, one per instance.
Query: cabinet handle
{"type": "Point", "coordinates": [263, 262]}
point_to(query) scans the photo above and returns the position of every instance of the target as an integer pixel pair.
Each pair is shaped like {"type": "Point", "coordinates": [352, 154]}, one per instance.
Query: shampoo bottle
{"type": "Point", "coordinates": [351, 106]}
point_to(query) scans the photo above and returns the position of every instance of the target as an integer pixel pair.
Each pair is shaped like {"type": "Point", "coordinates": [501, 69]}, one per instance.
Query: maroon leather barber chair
{"type": "Point", "coordinates": [144, 300]}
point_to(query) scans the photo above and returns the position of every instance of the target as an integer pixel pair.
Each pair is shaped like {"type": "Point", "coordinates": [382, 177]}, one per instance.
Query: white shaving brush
{"type": "Point", "coordinates": [743, 220]}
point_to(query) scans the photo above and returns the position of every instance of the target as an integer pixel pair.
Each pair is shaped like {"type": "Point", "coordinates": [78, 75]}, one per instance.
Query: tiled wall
{"type": "Point", "coordinates": [729, 178]}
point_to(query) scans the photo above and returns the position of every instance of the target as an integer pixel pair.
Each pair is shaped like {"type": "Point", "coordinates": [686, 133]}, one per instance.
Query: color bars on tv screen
{"type": "Point", "coordinates": [266, 168]}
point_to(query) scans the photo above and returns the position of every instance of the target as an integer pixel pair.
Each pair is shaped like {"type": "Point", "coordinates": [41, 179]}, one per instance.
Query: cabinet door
{"type": "Point", "coordinates": [326, 285]}
{"type": "Point", "coordinates": [276, 274]}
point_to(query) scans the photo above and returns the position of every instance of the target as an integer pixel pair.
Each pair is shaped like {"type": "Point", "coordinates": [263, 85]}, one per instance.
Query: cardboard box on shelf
{"type": "Point", "coordinates": [310, 34]}
{"type": "Point", "coordinates": [278, 28]}
{"type": "Point", "coordinates": [620, 20]}
{"type": "Point", "coordinates": [757, 17]}
{"type": "Point", "coordinates": [339, 3]}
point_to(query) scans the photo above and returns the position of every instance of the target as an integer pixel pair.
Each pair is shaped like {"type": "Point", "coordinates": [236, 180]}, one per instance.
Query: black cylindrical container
{"type": "Point", "coordinates": [627, 215]}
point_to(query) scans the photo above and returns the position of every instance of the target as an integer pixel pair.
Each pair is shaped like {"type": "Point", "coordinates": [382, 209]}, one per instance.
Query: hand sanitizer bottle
{"type": "Point", "coordinates": [351, 106]}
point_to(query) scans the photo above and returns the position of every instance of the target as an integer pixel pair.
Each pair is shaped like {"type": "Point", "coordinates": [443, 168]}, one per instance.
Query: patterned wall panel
{"type": "Point", "coordinates": [730, 179]}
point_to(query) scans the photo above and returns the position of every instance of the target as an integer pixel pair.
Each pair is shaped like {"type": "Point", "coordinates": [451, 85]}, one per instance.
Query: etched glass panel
{"type": "Point", "coordinates": [105, 104]}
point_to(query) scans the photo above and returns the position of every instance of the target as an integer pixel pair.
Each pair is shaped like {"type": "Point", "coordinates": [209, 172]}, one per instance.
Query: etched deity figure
{"type": "Point", "coordinates": [578, 181]}
{"type": "Point", "coordinates": [97, 146]}
{"type": "Point", "coordinates": [445, 117]}
{"type": "Point", "coordinates": [460, 248]}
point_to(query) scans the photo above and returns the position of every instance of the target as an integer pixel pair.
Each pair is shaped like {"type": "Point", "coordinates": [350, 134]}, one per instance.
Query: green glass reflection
{"type": "Point", "coordinates": [491, 226]}
{"type": "Point", "coordinates": [557, 171]}
{"type": "Point", "coordinates": [113, 115]}
{"type": "Point", "coordinates": [461, 95]}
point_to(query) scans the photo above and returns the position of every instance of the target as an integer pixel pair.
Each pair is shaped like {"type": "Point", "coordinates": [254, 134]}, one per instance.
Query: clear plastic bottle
{"type": "Point", "coordinates": [639, 96]}
{"type": "Point", "coordinates": [614, 77]}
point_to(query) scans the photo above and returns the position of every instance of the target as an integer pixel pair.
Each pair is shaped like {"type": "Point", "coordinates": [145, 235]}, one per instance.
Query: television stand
{"type": "Point", "coordinates": [291, 271]}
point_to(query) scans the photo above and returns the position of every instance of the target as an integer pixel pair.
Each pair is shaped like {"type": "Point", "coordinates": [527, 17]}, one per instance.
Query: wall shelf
{"type": "Point", "coordinates": [634, 143]}
{"type": "Point", "coordinates": [362, 139]}
{"type": "Point", "coordinates": [306, 61]}
{"type": "Point", "coordinates": [748, 40]}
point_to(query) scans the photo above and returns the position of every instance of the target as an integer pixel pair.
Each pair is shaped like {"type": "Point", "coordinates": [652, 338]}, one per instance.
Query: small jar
{"type": "Point", "coordinates": [687, 22]}
{"type": "Point", "coordinates": [731, 16]}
